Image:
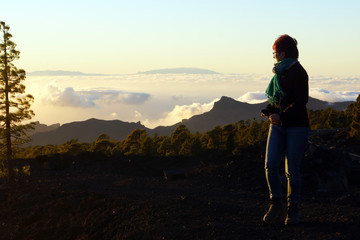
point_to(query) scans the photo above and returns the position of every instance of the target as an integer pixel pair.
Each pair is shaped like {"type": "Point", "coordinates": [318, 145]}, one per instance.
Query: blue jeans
{"type": "Point", "coordinates": [292, 141]}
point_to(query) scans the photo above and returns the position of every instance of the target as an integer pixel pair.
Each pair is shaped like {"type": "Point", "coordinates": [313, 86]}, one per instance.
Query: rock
{"type": "Point", "coordinates": [352, 168]}
{"type": "Point", "coordinates": [174, 174]}
{"type": "Point", "coordinates": [325, 169]}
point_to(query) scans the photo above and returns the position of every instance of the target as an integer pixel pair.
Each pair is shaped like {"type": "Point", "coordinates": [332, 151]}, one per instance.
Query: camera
{"type": "Point", "coordinates": [266, 112]}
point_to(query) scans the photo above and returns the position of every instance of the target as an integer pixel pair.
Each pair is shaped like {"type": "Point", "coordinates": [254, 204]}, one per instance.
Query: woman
{"type": "Point", "coordinates": [288, 94]}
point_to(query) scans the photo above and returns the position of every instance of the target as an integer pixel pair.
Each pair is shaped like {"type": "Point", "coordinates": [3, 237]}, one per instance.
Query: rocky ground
{"type": "Point", "coordinates": [221, 197]}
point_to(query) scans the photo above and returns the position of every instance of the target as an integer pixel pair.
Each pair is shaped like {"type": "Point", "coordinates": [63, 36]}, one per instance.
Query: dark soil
{"type": "Point", "coordinates": [221, 197]}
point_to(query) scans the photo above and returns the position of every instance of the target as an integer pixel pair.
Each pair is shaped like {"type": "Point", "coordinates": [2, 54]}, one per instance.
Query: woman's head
{"type": "Point", "coordinates": [286, 45]}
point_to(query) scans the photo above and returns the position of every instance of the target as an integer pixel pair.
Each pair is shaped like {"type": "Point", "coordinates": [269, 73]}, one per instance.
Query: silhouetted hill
{"type": "Point", "coordinates": [316, 104]}
{"type": "Point", "coordinates": [44, 128]}
{"type": "Point", "coordinates": [228, 110]}
{"type": "Point", "coordinates": [86, 131]}
{"type": "Point", "coordinates": [225, 111]}
{"type": "Point", "coordinates": [179, 71]}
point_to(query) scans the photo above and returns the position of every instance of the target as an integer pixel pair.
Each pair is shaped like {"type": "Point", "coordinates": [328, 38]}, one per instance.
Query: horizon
{"type": "Point", "coordinates": [238, 100]}
{"type": "Point", "coordinates": [152, 99]}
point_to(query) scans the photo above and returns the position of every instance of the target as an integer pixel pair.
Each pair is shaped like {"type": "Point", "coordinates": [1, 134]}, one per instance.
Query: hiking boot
{"type": "Point", "coordinates": [292, 216]}
{"type": "Point", "coordinates": [275, 210]}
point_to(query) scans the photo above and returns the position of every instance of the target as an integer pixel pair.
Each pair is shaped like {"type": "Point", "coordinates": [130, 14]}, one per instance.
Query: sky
{"type": "Point", "coordinates": [122, 38]}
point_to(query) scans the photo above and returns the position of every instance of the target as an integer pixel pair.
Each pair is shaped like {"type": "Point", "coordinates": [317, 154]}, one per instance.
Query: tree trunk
{"type": "Point", "coordinates": [8, 162]}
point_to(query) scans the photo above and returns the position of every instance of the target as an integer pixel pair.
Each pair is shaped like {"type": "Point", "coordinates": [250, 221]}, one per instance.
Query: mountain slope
{"type": "Point", "coordinates": [225, 111]}
{"type": "Point", "coordinates": [43, 127]}
{"type": "Point", "coordinates": [228, 110]}
{"type": "Point", "coordinates": [316, 104]}
{"type": "Point", "coordinates": [86, 131]}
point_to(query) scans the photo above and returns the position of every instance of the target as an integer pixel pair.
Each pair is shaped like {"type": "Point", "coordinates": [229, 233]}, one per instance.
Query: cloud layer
{"type": "Point", "coordinates": [253, 97]}
{"type": "Point", "coordinates": [333, 96]}
{"type": "Point", "coordinates": [180, 112]}
{"type": "Point", "coordinates": [91, 98]}
{"type": "Point", "coordinates": [158, 99]}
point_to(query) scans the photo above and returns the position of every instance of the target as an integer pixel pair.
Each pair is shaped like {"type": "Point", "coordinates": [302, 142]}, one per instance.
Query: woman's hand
{"type": "Point", "coordinates": [275, 119]}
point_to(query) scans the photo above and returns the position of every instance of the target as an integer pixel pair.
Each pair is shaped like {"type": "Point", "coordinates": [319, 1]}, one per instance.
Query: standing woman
{"type": "Point", "coordinates": [288, 94]}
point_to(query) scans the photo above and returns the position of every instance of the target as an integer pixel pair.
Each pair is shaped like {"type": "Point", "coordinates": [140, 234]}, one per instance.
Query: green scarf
{"type": "Point", "coordinates": [273, 91]}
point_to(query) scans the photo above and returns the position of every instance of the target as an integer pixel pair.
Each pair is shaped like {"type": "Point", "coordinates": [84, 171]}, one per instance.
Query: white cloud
{"type": "Point", "coordinates": [318, 93]}
{"type": "Point", "coordinates": [105, 96]}
{"type": "Point", "coordinates": [67, 97]}
{"type": "Point", "coordinates": [333, 96]}
{"type": "Point", "coordinates": [137, 114]}
{"type": "Point", "coordinates": [91, 98]}
{"type": "Point", "coordinates": [335, 83]}
{"type": "Point", "coordinates": [253, 97]}
{"type": "Point", "coordinates": [181, 112]}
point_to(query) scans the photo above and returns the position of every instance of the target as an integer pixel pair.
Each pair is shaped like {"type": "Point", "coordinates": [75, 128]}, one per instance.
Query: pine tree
{"type": "Point", "coordinates": [164, 147]}
{"type": "Point", "coordinates": [179, 137]}
{"type": "Point", "coordinates": [355, 124]}
{"type": "Point", "coordinates": [132, 143]}
{"type": "Point", "coordinates": [14, 104]}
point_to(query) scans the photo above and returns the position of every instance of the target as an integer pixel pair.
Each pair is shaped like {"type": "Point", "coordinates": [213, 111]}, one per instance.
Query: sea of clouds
{"type": "Point", "coordinates": [160, 99]}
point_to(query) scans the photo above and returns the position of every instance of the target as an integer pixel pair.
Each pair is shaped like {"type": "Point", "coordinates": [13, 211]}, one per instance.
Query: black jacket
{"type": "Point", "coordinates": [292, 107]}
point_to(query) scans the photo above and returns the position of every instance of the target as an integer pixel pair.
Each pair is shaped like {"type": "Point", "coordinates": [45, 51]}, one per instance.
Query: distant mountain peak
{"type": "Point", "coordinates": [226, 102]}
{"type": "Point", "coordinates": [179, 71]}
{"type": "Point", "coordinates": [226, 99]}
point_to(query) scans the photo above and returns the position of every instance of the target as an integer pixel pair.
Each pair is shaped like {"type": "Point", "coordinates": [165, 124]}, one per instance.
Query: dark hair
{"type": "Point", "coordinates": [286, 44]}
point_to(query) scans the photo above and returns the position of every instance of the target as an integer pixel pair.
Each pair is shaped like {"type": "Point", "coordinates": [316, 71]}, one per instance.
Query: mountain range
{"type": "Point", "coordinates": [225, 111]}
{"type": "Point", "coordinates": [155, 71]}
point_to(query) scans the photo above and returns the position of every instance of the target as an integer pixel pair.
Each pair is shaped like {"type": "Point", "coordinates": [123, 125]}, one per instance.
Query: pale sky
{"type": "Point", "coordinates": [232, 37]}
{"type": "Point", "coordinates": [227, 36]}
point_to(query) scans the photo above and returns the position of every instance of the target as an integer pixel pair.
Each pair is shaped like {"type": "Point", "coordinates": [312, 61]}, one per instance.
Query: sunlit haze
{"type": "Point", "coordinates": [121, 38]}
